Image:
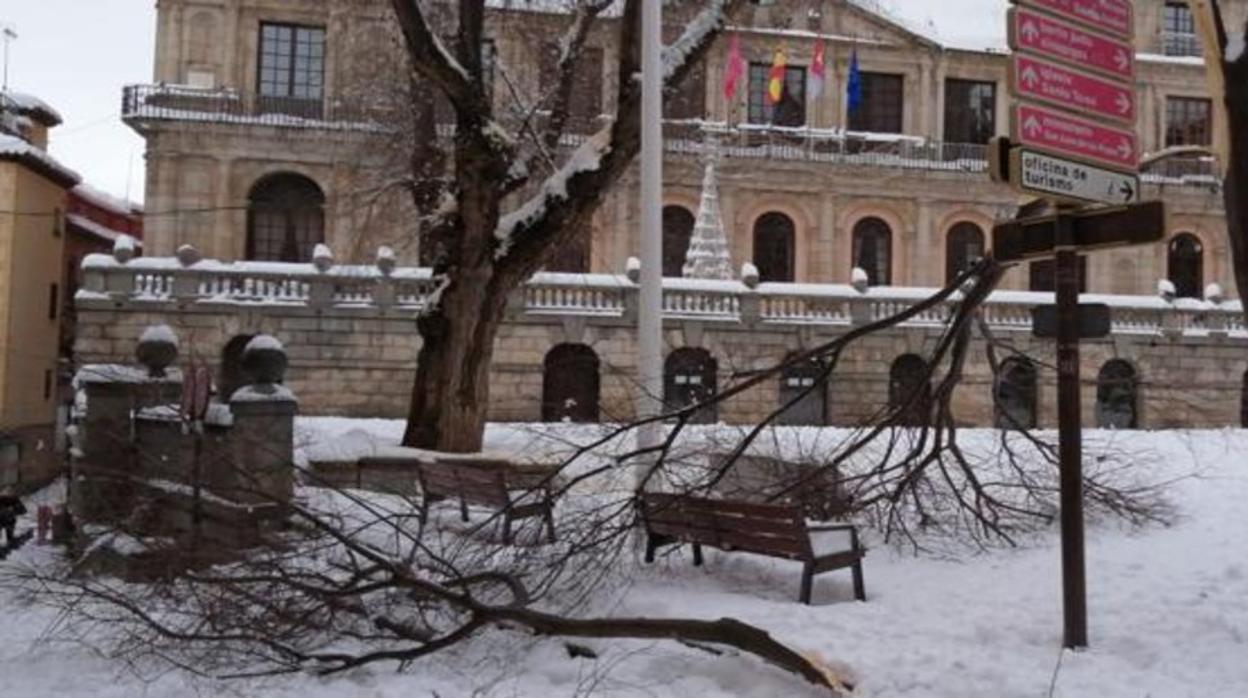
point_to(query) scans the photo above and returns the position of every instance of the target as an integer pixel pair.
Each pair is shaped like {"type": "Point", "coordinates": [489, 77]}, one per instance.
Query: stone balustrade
{"type": "Point", "coordinates": [349, 289]}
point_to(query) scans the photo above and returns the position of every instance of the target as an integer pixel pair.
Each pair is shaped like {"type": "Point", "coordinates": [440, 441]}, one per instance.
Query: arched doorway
{"type": "Point", "coordinates": [285, 218]}
{"type": "Point", "coordinates": [570, 384]}
{"type": "Point", "coordinates": [689, 377]}
{"type": "Point", "coordinates": [1117, 396]}
{"type": "Point", "coordinates": [232, 376]}
{"type": "Point", "coordinates": [909, 391]}
{"type": "Point", "coordinates": [1185, 265]}
{"type": "Point", "coordinates": [775, 236]}
{"type": "Point", "coordinates": [873, 250]}
{"type": "Point", "coordinates": [1014, 396]}
{"type": "Point", "coordinates": [963, 247]}
{"type": "Point", "coordinates": [678, 225]}
{"type": "Point", "coordinates": [803, 382]}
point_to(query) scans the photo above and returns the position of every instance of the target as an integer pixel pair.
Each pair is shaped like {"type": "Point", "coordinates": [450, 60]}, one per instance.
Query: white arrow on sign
{"type": "Point", "coordinates": [1123, 103]}
{"type": "Point", "coordinates": [1029, 76]}
{"type": "Point", "coordinates": [1030, 32]}
{"type": "Point", "coordinates": [1122, 60]}
{"type": "Point", "coordinates": [1033, 126]}
{"type": "Point", "coordinates": [1037, 173]}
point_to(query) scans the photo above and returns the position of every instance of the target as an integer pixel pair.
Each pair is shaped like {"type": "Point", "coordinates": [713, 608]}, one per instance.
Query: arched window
{"type": "Point", "coordinates": [963, 247]}
{"type": "Point", "coordinates": [285, 219]}
{"type": "Point", "coordinates": [1116, 396]}
{"type": "Point", "coordinates": [1014, 396]}
{"type": "Point", "coordinates": [909, 392]}
{"type": "Point", "coordinates": [688, 378]}
{"type": "Point", "coordinates": [804, 383]}
{"type": "Point", "coordinates": [774, 238]}
{"type": "Point", "coordinates": [570, 383]}
{"type": "Point", "coordinates": [1185, 265]}
{"type": "Point", "coordinates": [677, 231]}
{"type": "Point", "coordinates": [873, 253]}
{"type": "Point", "coordinates": [232, 375]}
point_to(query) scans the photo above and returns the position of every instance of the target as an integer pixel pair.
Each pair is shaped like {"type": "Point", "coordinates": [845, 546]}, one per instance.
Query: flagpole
{"type": "Point", "coordinates": [649, 313]}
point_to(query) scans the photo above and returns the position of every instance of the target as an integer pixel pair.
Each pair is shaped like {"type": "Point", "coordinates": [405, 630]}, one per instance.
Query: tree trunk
{"type": "Point", "coordinates": [451, 394]}
{"type": "Point", "coordinates": [1235, 187]}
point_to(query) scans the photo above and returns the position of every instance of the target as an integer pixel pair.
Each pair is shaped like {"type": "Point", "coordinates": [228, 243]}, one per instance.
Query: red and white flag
{"type": "Point", "coordinates": [818, 71]}
{"type": "Point", "coordinates": [735, 68]}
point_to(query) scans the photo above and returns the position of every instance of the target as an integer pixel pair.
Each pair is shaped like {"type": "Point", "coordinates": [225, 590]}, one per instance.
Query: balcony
{"type": "Point", "coordinates": [142, 104]}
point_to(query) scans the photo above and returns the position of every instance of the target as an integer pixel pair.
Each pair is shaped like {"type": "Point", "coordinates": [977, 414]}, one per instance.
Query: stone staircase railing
{"type": "Point", "coordinates": [108, 281]}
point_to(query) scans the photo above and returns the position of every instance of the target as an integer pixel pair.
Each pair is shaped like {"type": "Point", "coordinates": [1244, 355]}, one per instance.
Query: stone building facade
{"type": "Point", "coordinates": [263, 139]}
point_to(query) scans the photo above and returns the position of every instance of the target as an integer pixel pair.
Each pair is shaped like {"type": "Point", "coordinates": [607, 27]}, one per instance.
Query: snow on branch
{"type": "Point", "coordinates": [698, 32]}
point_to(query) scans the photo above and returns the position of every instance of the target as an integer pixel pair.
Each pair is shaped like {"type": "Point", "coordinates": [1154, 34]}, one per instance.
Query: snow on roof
{"type": "Point", "coordinates": [550, 6]}
{"type": "Point", "coordinates": [105, 200]}
{"type": "Point", "coordinates": [14, 148]}
{"type": "Point", "coordinates": [98, 230]}
{"type": "Point", "coordinates": [30, 105]}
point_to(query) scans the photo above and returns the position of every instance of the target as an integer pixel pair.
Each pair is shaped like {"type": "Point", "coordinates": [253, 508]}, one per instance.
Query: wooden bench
{"type": "Point", "coordinates": [484, 482]}
{"type": "Point", "coordinates": [775, 530]}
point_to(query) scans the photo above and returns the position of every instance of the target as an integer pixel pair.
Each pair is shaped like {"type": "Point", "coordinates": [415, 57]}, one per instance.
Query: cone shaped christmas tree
{"type": "Point", "coordinates": [708, 256]}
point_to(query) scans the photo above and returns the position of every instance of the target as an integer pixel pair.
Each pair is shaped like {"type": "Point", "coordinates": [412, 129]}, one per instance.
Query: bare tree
{"type": "Point", "coordinates": [483, 252]}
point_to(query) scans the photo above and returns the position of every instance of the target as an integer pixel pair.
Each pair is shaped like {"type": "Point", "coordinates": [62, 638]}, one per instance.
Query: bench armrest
{"type": "Point", "coordinates": [853, 533]}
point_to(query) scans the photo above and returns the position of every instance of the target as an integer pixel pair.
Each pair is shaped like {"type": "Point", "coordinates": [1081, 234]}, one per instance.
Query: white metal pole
{"type": "Point", "coordinates": [649, 313]}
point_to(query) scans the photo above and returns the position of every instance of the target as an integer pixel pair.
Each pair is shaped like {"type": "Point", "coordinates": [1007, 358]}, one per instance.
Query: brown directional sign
{"type": "Point", "coordinates": [1032, 238]}
{"type": "Point", "coordinates": [1094, 321]}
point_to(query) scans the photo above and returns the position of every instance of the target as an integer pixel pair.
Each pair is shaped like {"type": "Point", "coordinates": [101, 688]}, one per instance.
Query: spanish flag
{"type": "Point", "coordinates": [775, 79]}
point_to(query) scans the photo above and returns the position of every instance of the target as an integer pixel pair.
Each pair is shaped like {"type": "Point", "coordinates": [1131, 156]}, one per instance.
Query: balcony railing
{"type": "Point", "coordinates": [226, 105]}
{"type": "Point", "coordinates": [1180, 44]}
{"type": "Point", "coordinates": [166, 284]}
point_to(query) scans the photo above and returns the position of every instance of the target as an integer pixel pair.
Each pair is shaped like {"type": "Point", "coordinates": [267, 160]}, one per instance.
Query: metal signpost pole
{"type": "Point", "coordinates": [649, 311]}
{"type": "Point", "coordinates": [1070, 446]}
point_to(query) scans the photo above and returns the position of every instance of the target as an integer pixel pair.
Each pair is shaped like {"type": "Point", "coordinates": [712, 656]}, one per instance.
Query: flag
{"type": "Point", "coordinates": [817, 71]}
{"type": "Point", "coordinates": [735, 68]}
{"type": "Point", "coordinates": [853, 88]}
{"type": "Point", "coordinates": [775, 78]}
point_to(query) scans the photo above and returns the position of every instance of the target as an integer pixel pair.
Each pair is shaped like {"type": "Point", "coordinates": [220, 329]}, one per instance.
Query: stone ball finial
{"type": "Point", "coordinates": [1214, 293]}
{"type": "Point", "coordinates": [749, 275]}
{"type": "Point", "coordinates": [1165, 289]}
{"type": "Point", "coordinates": [632, 269]}
{"type": "Point", "coordinates": [157, 349]}
{"type": "Point", "coordinates": [188, 256]}
{"type": "Point", "coordinates": [264, 359]}
{"type": "Point", "coordinates": [322, 258]}
{"type": "Point", "coordinates": [123, 248]}
{"type": "Point", "coordinates": [859, 280]}
{"type": "Point", "coordinates": [386, 260]}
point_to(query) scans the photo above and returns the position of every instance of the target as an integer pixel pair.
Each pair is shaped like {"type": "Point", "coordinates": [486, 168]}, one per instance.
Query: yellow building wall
{"type": "Point", "coordinates": [30, 263]}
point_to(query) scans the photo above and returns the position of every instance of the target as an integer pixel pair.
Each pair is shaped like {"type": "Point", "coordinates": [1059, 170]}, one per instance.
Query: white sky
{"type": "Point", "coordinates": [76, 55]}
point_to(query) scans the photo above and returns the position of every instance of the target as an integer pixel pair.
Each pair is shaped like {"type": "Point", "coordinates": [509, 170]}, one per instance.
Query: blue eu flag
{"type": "Point", "coordinates": [853, 88]}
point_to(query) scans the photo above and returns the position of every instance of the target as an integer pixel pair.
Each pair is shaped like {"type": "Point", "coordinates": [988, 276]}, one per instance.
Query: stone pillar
{"type": "Point", "coordinates": [264, 425]}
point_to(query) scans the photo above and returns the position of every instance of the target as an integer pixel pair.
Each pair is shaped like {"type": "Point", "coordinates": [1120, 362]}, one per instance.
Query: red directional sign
{"type": "Point", "coordinates": [1051, 83]}
{"type": "Point", "coordinates": [1056, 132]}
{"type": "Point", "coordinates": [1112, 17]}
{"type": "Point", "coordinates": [1053, 38]}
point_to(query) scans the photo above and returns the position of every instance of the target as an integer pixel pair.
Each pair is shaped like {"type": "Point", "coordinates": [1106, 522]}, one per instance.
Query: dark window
{"type": "Point", "coordinates": [292, 69]}
{"type": "Point", "coordinates": [774, 235]}
{"type": "Point", "coordinates": [790, 110]}
{"type": "Point", "coordinates": [689, 377]}
{"type": "Point", "coordinates": [873, 241]}
{"type": "Point", "coordinates": [54, 297]}
{"type": "Point", "coordinates": [970, 111]}
{"type": "Point", "coordinates": [1188, 121]}
{"type": "Point", "coordinates": [909, 392]}
{"type": "Point", "coordinates": [570, 383]}
{"type": "Point", "coordinates": [963, 248]}
{"type": "Point", "coordinates": [1185, 265]}
{"type": "Point", "coordinates": [686, 99]}
{"type": "Point", "coordinates": [585, 103]}
{"type": "Point", "coordinates": [572, 257]}
{"type": "Point", "coordinates": [677, 231]}
{"type": "Point", "coordinates": [805, 384]}
{"type": "Point", "coordinates": [285, 219]}
{"type": "Point", "coordinates": [1116, 397]}
{"type": "Point", "coordinates": [1041, 275]}
{"type": "Point", "coordinates": [883, 103]}
{"type": "Point", "coordinates": [1014, 396]}
{"type": "Point", "coordinates": [1179, 30]}
{"type": "Point", "coordinates": [232, 375]}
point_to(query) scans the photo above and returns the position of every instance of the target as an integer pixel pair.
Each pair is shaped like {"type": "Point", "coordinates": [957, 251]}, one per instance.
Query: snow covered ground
{"type": "Point", "coordinates": [1168, 611]}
